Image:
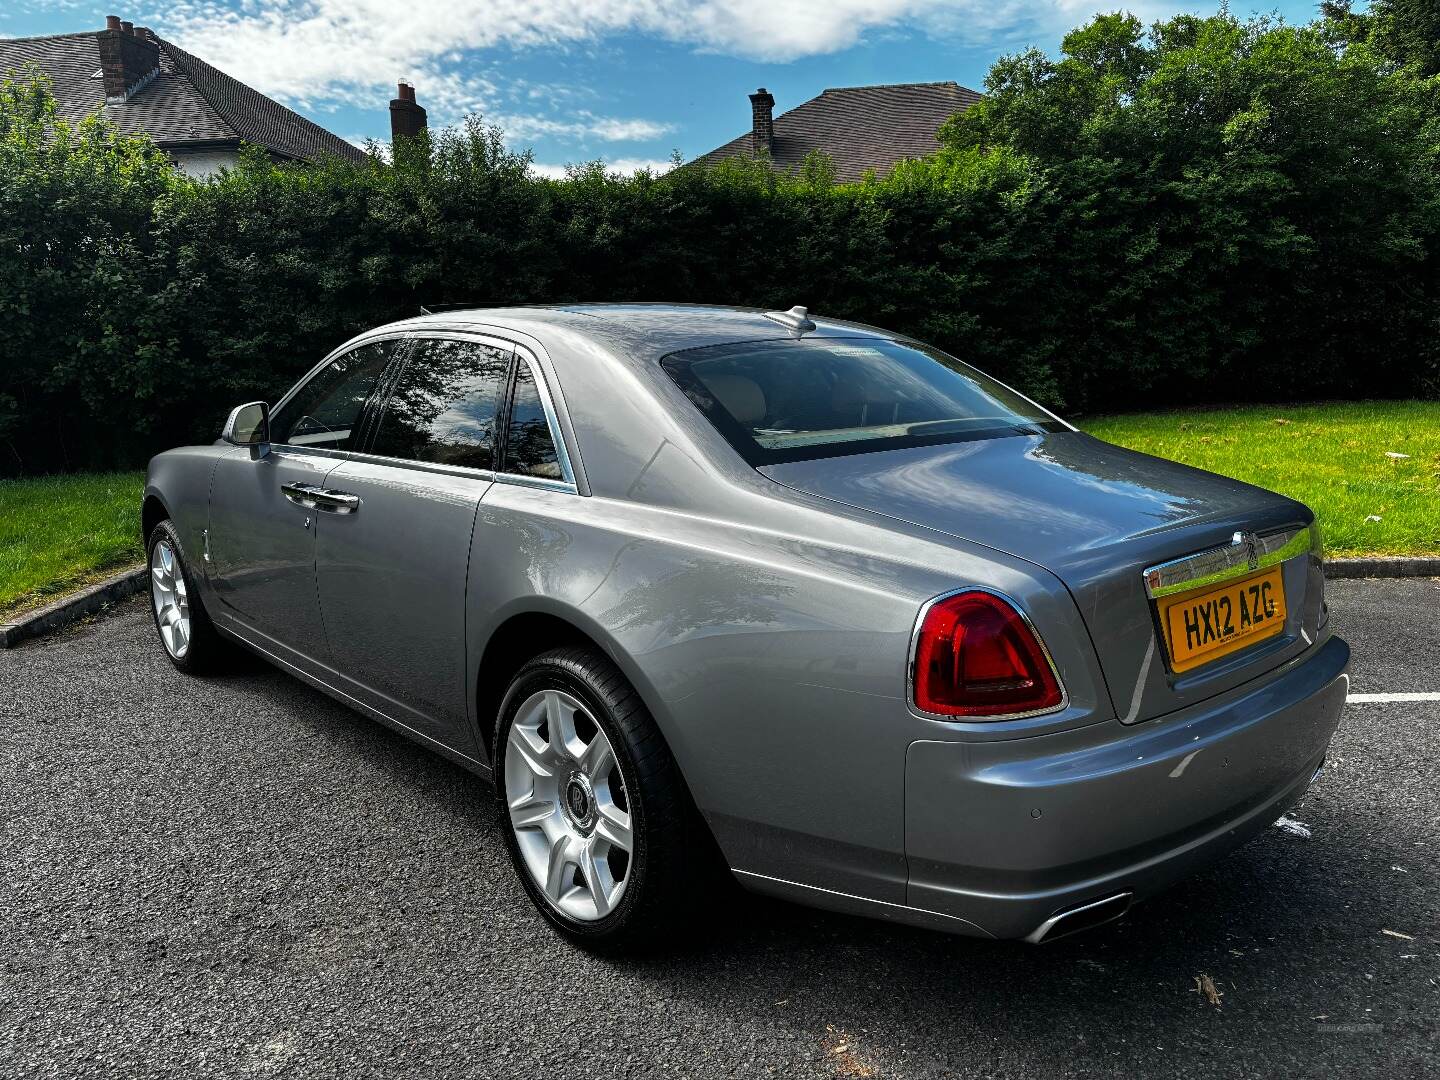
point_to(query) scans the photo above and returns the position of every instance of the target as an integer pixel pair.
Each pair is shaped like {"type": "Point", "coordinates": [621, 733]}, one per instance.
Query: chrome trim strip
{"type": "Point", "coordinates": [1036, 936]}
{"type": "Point", "coordinates": [542, 482]}
{"type": "Point", "coordinates": [1246, 554]}
{"type": "Point", "coordinates": [862, 899]}
{"type": "Point", "coordinates": [989, 717]}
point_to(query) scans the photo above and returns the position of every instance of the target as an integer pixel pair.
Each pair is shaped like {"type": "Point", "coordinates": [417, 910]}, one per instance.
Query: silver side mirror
{"type": "Point", "coordinates": [248, 425]}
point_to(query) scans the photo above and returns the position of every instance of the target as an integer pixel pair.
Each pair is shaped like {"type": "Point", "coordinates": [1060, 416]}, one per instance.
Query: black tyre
{"type": "Point", "coordinates": [185, 630]}
{"type": "Point", "coordinates": [596, 817]}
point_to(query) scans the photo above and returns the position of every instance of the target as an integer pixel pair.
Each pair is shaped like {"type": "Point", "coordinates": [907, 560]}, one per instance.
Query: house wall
{"type": "Point", "coordinates": [202, 163]}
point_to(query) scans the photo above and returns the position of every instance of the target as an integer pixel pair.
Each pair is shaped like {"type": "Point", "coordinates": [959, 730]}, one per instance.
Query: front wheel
{"type": "Point", "coordinates": [189, 639]}
{"type": "Point", "coordinates": [596, 814]}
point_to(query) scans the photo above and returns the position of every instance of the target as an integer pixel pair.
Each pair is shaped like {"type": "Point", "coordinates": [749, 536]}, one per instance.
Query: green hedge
{"type": "Point", "coordinates": [1212, 210]}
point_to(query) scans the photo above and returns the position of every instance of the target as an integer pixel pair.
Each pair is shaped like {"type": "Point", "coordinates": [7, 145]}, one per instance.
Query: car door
{"type": "Point", "coordinates": [260, 541]}
{"type": "Point", "coordinates": [392, 574]}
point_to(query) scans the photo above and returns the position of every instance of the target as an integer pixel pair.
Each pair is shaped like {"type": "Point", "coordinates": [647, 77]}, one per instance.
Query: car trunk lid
{"type": "Point", "coordinates": [1097, 516]}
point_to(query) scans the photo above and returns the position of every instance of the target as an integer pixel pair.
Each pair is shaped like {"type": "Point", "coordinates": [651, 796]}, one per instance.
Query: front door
{"type": "Point", "coordinates": [262, 529]}
{"type": "Point", "coordinates": [392, 573]}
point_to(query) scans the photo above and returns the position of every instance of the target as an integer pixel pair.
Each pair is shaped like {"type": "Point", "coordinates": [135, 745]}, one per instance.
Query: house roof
{"type": "Point", "coordinates": [859, 127]}
{"type": "Point", "coordinates": [189, 104]}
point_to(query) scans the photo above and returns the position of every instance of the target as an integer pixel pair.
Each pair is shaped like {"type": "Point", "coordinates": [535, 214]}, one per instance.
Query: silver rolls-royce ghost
{"type": "Point", "coordinates": [796, 598]}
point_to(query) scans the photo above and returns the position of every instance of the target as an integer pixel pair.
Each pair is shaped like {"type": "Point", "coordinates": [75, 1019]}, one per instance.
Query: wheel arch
{"type": "Point", "coordinates": [152, 511]}
{"type": "Point", "coordinates": [528, 629]}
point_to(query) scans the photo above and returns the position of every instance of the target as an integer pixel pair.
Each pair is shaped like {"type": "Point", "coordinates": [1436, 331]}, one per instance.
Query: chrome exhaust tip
{"type": "Point", "coordinates": [1084, 917]}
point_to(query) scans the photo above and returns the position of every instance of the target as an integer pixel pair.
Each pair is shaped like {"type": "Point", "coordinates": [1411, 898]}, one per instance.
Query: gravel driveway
{"type": "Point", "coordinates": [238, 877]}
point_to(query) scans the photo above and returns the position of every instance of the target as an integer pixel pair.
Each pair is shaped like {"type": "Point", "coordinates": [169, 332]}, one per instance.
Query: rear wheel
{"type": "Point", "coordinates": [189, 639]}
{"type": "Point", "coordinates": [597, 818]}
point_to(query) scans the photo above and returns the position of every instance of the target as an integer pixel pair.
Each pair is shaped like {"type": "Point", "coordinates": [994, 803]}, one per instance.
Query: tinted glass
{"type": "Point", "coordinates": [326, 411]}
{"type": "Point", "coordinates": [443, 406]}
{"type": "Point", "coordinates": [529, 448]}
{"type": "Point", "coordinates": [790, 400]}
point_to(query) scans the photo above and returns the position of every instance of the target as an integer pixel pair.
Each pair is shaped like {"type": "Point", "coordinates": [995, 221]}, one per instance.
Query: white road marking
{"type": "Point", "coordinates": [1378, 699]}
{"type": "Point", "coordinates": [1179, 769]}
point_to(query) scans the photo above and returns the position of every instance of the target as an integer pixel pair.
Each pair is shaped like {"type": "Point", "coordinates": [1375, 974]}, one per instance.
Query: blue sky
{"type": "Point", "coordinates": [627, 81]}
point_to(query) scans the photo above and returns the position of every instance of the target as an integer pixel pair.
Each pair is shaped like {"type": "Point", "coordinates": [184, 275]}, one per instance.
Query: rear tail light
{"type": "Point", "coordinates": [976, 655]}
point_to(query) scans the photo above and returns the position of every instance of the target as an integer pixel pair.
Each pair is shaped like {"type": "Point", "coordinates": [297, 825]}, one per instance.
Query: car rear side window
{"type": "Point", "coordinates": [444, 404]}
{"type": "Point", "coordinates": [529, 442]}
{"type": "Point", "coordinates": [326, 411]}
{"type": "Point", "coordinates": [790, 400]}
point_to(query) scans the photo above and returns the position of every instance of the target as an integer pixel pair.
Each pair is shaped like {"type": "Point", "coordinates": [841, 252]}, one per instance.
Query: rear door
{"type": "Point", "coordinates": [391, 573]}
{"type": "Point", "coordinates": [260, 542]}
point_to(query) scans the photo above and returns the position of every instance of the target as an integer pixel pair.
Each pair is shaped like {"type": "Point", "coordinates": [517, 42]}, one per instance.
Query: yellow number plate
{"type": "Point", "coordinates": [1210, 623]}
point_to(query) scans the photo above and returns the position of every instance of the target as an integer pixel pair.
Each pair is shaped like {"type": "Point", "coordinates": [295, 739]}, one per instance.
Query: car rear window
{"type": "Point", "coordinates": [792, 400]}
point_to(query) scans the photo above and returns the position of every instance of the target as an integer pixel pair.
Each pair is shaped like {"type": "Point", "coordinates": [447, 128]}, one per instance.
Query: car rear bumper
{"type": "Point", "coordinates": [1004, 835]}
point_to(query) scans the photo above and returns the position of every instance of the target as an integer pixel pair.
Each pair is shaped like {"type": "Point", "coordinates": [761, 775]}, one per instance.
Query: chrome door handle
{"type": "Point", "coordinates": [336, 502]}
{"type": "Point", "coordinates": [301, 494]}
{"type": "Point", "coordinates": [314, 497]}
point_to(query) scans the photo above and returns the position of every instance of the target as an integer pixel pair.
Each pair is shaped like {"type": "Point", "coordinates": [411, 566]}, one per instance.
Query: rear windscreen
{"type": "Point", "coordinates": [790, 400]}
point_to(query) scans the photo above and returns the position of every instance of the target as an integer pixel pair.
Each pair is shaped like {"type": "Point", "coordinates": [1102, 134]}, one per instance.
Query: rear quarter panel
{"type": "Point", "coordinates": [773, 658]}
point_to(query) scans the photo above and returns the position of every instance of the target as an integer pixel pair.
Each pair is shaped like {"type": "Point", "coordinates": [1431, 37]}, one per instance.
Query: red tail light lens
{"type": "Point", "coordinates": [977, 656]}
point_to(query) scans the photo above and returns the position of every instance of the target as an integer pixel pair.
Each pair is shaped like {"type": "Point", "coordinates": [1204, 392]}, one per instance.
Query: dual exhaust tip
{"type": "Point", "coordinates": [1082, 917]}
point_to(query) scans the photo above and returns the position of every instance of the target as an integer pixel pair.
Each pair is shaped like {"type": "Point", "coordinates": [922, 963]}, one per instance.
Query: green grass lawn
{"type": "Point", "coordinates": [1331, 457]}
{"type": "Point", "coordinates": [57, 532]}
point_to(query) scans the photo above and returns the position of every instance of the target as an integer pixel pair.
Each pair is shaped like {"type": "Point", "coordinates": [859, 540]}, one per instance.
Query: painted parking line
{"type": "Point", "coordinates": [1380, 699]}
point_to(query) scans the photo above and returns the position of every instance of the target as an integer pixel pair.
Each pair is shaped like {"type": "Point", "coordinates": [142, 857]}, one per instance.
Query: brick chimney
{"type": "Point", "coordinates": [762, 122]}
{"type": "Point", "coordinates": [128, 60]}
{"type": "Point", "coordinates": [407, 119]}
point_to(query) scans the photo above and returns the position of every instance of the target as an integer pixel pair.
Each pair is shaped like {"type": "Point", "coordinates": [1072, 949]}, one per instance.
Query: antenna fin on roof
{"type": "Point", "coordinates": [796, 319]}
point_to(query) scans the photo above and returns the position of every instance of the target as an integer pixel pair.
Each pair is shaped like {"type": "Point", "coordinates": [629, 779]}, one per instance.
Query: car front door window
{"type": "Point", "coordinates": [326, 411]}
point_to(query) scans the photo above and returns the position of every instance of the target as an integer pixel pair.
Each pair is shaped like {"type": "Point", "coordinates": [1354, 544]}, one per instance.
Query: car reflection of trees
{"type": "Point", "coordinates": [443, 408]}
{"type": "Point", "coordinates": [1112, 466]}
{"type": "Point", "coordinates": [529, 450]}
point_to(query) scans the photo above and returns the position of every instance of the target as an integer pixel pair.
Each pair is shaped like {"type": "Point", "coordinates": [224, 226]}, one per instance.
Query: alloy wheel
{"type": "Point", "coordinates": [568, 806]}
{"type": "Point", "coordinates": [172, 605]}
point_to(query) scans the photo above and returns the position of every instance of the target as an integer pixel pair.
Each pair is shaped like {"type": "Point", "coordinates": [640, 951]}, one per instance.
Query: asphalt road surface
{"type": "Point", "coordinates": [238, 877]}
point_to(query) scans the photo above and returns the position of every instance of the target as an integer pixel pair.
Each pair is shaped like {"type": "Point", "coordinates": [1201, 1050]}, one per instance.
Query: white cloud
{"type": "Point", "coordinates": [584, 124]}
{"type": "Point", "coordinates": [314, 50]}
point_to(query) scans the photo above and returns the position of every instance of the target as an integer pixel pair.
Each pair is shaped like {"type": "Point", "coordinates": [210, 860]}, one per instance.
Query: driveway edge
{"type": "Point", "coordinates": [1384, 567]}
{"type": "Point", "coordinates": [72, 608]}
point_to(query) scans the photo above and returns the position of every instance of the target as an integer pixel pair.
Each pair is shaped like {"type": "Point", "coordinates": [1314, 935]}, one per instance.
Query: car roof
{"type": "Point", "coordinates": [644, 330]}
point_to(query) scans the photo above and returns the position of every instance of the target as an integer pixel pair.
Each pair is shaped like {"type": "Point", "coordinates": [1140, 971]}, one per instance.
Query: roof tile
{"type": "Point", "coordinates": [187, 103]}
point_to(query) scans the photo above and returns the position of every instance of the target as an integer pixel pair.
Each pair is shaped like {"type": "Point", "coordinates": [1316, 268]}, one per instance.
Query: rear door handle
{"type": "Point", "coordinates": [314, 497]}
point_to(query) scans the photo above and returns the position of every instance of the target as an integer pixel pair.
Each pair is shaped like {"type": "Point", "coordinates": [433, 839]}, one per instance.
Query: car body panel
{"type": "Point", "coordinates": [766, 621]}
{"type": "Point", "coordinates": [1096, 515]}
{"type": "Point", "coordinates": [391, 583]}
{"type": "Point", "coordinates": [262, 547]}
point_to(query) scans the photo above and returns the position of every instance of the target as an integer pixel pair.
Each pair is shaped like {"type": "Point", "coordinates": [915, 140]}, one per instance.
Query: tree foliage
{"type": "Point", "coordinates": [1202, 210]}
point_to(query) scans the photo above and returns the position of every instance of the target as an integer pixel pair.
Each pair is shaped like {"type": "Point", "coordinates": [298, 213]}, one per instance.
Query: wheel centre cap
{"type": "Point", "coordinates": [578, 801]}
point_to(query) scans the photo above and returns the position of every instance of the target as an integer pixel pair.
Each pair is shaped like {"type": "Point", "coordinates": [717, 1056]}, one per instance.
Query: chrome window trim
{"type": "Point", "coordinates": [986, 717]}
{"type": "Point", "coordinates": [421, 466]}
{"type": "Point", "coordinates": [544, 483]}
{"type": "Point", "coordinates": [1247, 553]}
